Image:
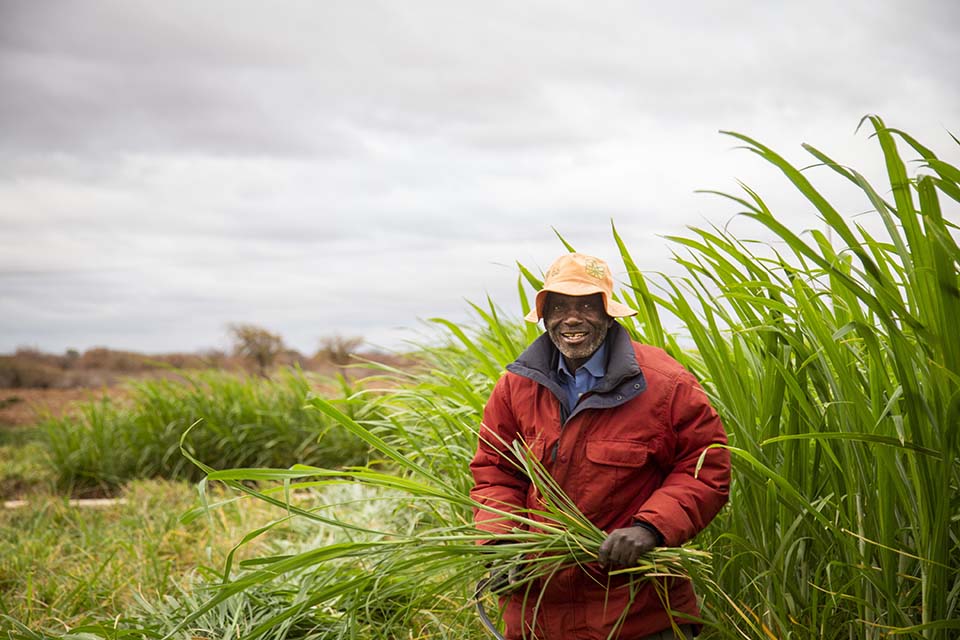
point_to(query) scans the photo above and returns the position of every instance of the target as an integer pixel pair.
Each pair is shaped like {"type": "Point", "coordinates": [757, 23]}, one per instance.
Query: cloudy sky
{"type": "Point", "coordinates": [321, 168]}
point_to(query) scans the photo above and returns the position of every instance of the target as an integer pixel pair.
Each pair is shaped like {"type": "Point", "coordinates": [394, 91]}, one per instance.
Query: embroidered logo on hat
{"type": "Point", "coordinates": [595, 269]}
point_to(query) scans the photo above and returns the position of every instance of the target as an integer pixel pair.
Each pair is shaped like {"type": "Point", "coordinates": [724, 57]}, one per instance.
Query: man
{"type": "Point", "coordinates": [620, 426]}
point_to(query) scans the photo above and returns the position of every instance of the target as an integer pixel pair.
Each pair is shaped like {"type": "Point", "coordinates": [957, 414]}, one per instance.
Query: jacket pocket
{"type": "Point", "coordinates": [617, 453]}
{"type": "Point", "coordinates": [614, 480]}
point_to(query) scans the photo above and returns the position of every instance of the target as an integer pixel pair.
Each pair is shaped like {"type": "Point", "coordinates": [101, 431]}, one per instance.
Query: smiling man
{"type": "Point", "coordinates": [621, 427]}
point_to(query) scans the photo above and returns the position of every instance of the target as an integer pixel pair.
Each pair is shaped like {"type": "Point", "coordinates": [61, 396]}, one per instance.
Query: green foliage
{"type": "Point", "coordinates": [23, 468]}
{"type": "Point", "coordinates": [835, 367]}
{"type": "Point", "coordinates": [240, 422]}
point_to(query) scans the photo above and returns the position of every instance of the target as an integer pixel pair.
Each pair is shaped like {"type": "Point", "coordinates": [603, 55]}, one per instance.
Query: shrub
{"type": "Point", "coordinates": [17, 372]}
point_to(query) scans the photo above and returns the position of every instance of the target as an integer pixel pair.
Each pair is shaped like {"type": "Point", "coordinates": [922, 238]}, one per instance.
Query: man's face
{"type": "Point", "coordinates": [577, 325]}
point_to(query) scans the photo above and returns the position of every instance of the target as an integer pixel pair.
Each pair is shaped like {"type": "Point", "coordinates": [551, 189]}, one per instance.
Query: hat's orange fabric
{"type": "Point", "coordinates": [576, 274]}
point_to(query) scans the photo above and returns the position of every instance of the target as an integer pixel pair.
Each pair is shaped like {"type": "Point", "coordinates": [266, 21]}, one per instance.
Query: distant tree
{"type": "Point", "coordinates": [338, 349]}
{"type": "Point", "coordinates": [70, 358]}
{"type": "Point", "coordinates": [256, 344]}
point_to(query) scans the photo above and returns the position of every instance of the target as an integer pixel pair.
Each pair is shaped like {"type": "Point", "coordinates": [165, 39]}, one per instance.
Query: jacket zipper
{"type": "Point", "coordinates": [564, 416]}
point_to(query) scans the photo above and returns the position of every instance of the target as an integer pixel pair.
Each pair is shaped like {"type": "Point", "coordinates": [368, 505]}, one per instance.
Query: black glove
{"type": "Point", "coordinates": [623, 547]}
{"type": "Point", "coordinates": [504, 577]}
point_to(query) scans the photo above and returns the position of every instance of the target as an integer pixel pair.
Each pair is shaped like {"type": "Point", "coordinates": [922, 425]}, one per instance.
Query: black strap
{"type": "Point", "coordinates": [484, 618]}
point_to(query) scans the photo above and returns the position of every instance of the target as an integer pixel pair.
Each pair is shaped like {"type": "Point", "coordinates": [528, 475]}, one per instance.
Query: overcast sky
{"type": "Point", "coordinates": [321, 168]}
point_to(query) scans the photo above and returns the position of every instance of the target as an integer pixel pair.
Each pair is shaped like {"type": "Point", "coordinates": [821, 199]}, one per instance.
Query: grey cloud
{"type": "Point", "coordinates": [185, 78]}
{"type": "Point", "coordinates": [122, 77]}
{"type": "Point", "coordinates": [166, 168]}
{"type": "Point", "coordinates": [70, 106]}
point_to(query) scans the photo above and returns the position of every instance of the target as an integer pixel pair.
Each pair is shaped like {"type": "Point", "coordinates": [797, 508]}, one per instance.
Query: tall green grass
{"type": "Point", "coordinates": [240, 422]}
{"type": "Point", "coordinates": [834, 359]}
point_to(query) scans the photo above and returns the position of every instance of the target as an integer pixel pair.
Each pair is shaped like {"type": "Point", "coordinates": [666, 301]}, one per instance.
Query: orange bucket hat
{"type": "Point", "coordinates": [576, 274]}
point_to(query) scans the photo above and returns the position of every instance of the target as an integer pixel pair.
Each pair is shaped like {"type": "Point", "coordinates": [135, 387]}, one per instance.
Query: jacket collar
{"type": "Point", "coordinates": [623, 380]}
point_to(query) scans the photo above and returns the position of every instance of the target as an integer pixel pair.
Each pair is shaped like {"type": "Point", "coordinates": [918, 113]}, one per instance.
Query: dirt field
{"type": "Point", "coordinates": [19, 407]}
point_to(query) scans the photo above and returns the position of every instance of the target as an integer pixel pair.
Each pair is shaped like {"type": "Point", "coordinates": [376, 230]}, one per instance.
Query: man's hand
{"type": "Point", "coordinates": [623, 547]}
{"type": "Point", "coordinates": [504, 578]}
{"type": "Point", "coordinates": [504, 573]}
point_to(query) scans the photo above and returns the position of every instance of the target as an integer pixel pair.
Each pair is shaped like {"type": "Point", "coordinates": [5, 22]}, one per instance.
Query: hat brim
{"type": "Point", "coordinates": [613, 308]}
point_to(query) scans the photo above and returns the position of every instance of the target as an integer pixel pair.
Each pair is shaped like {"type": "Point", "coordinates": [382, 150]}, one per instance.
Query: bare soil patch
{"type": "Point", "coordinates": [22, 407]}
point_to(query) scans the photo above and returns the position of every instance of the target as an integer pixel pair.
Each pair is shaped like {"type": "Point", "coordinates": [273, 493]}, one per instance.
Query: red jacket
{"type": "Point", "coordinates": [627, 452]}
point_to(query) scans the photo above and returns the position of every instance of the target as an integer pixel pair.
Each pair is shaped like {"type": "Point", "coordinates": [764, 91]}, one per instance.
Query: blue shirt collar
{"type": "Point", "coordinates": [596, 365]}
